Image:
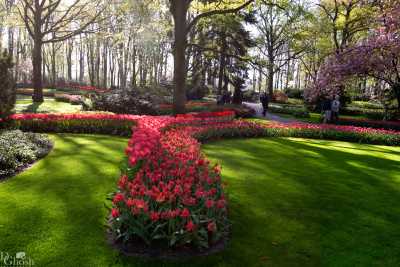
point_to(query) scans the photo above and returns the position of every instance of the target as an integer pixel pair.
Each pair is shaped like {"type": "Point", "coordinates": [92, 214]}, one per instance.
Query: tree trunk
{"type": "Point", "coordinates": [37, 72]}
{"type": "Point", "coordinates": [221, 71]}
{"type": "Point", "coordinates": [81, 62]}
{"type": "Point", "coordinates": [70, 47]}
{"type": "Point", "coordinates": [134, 67]}
{"type": "Point", "coordinates": [179, 11]}
{"type": "Point", "coordinates": [396, 89]}
{"type": "Point", "coordinates": [53, 65]}
{"type": "Point", "coordinates": [271, 79]}
{"type": "Point", "coordinates": [105, 64]}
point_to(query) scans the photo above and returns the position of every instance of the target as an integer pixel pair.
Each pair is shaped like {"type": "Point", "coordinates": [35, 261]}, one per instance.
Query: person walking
{"type": "Point", "coordinates": [327, 110]}
{"type": "Point", "coordinates": [335, 108]}
{"type": "Point", "coordinates": [264, 98]}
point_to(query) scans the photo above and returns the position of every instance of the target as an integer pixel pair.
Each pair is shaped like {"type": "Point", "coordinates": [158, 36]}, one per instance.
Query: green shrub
{"type": "Point", "coordinates": [112, 127]}
{"type": "Point", "coordinates": [371, 113]}
{"type": "Point", "coordinates": [19, 149]}
{"type": "Point", "coordinates": [294, 93]}
{"type": "Point", "coordinates": [297, 111]}
{"type": "Point", "coordinates": [7, 86]}
{"type": "Point", "coordinates": [125, 102]}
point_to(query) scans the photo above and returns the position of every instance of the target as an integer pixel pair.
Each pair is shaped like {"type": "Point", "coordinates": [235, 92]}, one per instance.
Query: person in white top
{"type": "Point", "coordinates": [335, 108]}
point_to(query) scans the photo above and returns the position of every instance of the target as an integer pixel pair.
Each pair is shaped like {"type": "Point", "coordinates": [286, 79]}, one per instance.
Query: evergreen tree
{"type": "Point", "coordinates": [7, 86]}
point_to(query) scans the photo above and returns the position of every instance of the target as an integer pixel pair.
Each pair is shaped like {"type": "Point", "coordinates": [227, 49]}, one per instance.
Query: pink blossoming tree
{"type": "Point", "coordinates": [377, 56]}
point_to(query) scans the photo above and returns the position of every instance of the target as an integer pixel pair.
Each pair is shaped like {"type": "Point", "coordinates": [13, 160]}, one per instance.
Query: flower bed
{"type": "Point", "coordinates": [334, 132]}
{"type": "Point", "coordinates": [93, 123]}
{"type": "Point", "coordinates": [89, 88]}
{"type": "Point", "coordinates": [72, 99]}
{"type": "Point", "coordinates": [388, 125]}
{"type": "Point", "coordinates": [18, 150]}
{"type": "Point", "coordinates": [170, 196]}
{"type": "Point", "coordinates": [190, 105]}
{"type": "Point", "coordinates": [30, 91]}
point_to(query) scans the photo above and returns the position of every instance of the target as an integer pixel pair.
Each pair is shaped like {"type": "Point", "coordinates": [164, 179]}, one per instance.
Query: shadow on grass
{"type": "Point", "coordinates": [292, 203]}
{"type": "Point", "coordinates": [319, 205]}
{"type": "Point", "coordinates": [59, 203]}
{"type": "Point", "coordinates": [33, 108]}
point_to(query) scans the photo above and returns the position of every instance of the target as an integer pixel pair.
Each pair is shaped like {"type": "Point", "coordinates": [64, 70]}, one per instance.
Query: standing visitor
{"type": "Point", "coordinates": [327, 109]}
{"type": "Point", "coordinates": [264, 98]}
{"type": "Point", "coordinates": [220, 99]}
{"type": "Point", "coordinates": [228, 97]}
{"type": "Point", "coordinates": [335, 109]}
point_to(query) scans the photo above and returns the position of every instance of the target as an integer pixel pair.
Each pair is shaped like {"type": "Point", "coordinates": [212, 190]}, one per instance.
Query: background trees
{"type": "Point", "coordinates": [179, 10]}
{"type": "Point", "coordinates": [377, 56]}
{"type": "Point", "coordinates": [198, 46]}
{"type": "Point", "coordinates": [53, 21]}
{"type": "Point", "coordinates": [280, 23]}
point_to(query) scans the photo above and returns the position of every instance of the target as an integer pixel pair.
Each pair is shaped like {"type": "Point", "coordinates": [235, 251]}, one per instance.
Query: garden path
{"type": "Point", "coordinates": [270, 116]}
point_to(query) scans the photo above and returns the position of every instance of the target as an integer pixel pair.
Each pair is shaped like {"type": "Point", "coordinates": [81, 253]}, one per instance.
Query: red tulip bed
{"type": "Point", "coordinates": [335, 132]}
{"type": "Point", "coordinates": [391, 125]}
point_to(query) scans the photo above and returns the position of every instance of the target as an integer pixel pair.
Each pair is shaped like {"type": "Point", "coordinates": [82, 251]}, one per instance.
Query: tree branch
{"type": "Point", "coordinates": [216, 12]}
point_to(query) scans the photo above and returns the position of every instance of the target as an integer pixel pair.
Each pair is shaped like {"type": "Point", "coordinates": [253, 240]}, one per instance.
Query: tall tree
{"type": "Point", "coordinates": [52, 21]}
{"type": "Point", "coordinates": [279, 24]}
{"type": "Point", "coordinates": [182, 26]}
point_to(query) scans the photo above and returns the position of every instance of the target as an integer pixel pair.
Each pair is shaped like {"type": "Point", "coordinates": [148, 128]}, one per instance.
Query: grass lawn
{"type": "Point", "coordinates": [25, 105]}
{"type": "Point", "coordinates": [316, 117]}
{"type": "Point", "coordinates": [293, 202]}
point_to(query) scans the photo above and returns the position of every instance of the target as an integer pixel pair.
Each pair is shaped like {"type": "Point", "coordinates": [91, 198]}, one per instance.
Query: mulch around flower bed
{"type": "Point", "coordinates": [141, 250]}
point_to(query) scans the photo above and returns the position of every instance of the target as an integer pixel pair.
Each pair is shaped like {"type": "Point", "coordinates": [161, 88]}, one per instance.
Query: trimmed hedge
{"type": "Point", "coordinates": [374, 114]}
{"type": "Point", "coordinates": [298, 112]}
{"type": "Point", "coordinates": [120, 125]}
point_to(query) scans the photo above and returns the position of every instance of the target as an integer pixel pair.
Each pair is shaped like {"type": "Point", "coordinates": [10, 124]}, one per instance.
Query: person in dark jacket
{"type": "Point", "coordinates": [264, 98]}
{"type": "Point", "coordinates": [327, 110]}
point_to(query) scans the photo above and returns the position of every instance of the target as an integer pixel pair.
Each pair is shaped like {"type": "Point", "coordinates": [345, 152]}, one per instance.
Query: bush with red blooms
{"type": "Point", "coordinates": [72, 99]}
{"type": "Point", "coordinates": [169, 195]}
{"type": "Point", "coordinates": [280, 97]}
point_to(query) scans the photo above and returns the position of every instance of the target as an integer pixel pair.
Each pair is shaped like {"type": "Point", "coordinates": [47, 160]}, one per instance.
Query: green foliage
{"type": "Point", "coordinates": [295, 110]}
{"type": "Point", "coordinates": [18, 149]}
{"type": "Point", "coordinates": [113, 127]}
{"type": "Point", "coordinates": [7, 86]}
{"type": "Point", "coordinates": [374, 113]}
{"type": "Point", "coordinates": [125, 102]}
{"type": "Point", "coordinates": [294, 93]}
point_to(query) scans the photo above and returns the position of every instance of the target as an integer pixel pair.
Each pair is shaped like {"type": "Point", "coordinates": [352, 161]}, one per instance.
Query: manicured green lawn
{"type": "Point", "coordinates": [293, 202]}
{"type": "Point", "coordinates": [25, 105]}
{"type": "Point", "coordinates": [302, 202]}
